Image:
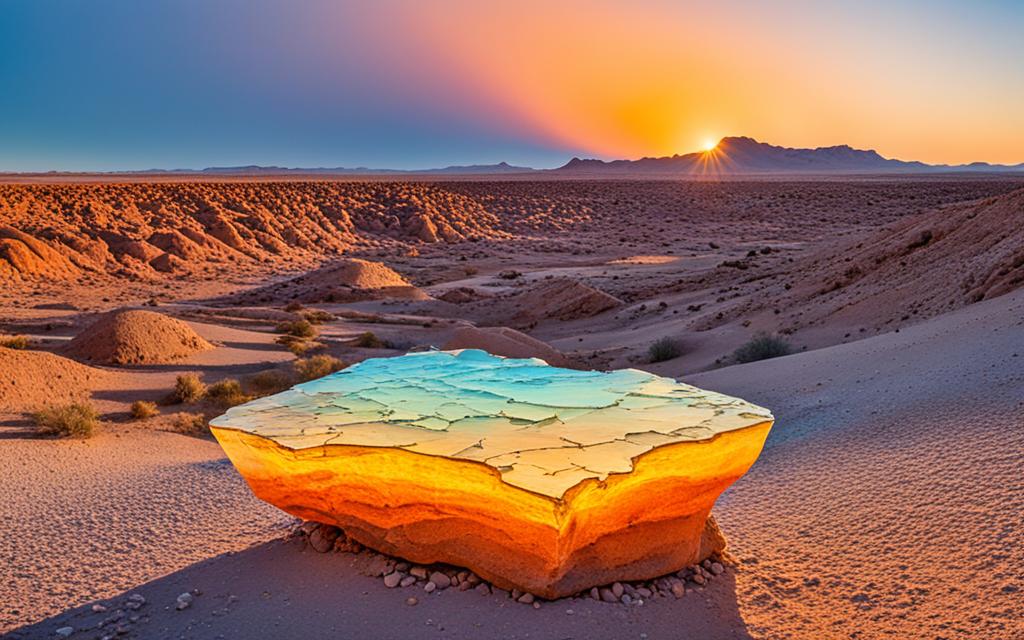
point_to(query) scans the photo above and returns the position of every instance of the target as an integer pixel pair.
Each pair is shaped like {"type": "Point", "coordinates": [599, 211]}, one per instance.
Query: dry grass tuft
{"type": "Point", "coordinates": [188, 389]}
{"type": "Point", "coordinates": [15, 342]}
{"type": "Point", "coordinates": [226, 393]}
{"type": "Point", "coordinates": [142, 410]}
{"type": "Point", "coordinates": [317, 367]}
{"type": "Point", "coordinates": [77, 420]}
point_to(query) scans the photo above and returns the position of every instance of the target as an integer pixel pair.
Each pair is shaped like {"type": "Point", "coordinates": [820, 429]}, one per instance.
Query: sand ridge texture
{"type": "Point", "coordinates": [136, 337]}
{"type": "Point", "coordinates": [905, 525]}
{"type": "Point", "coordinates": [922, 266]}
{"type": "Point", "coordinates": [146, 231]}
{"type": "Point", "coordinates": [31, 379]}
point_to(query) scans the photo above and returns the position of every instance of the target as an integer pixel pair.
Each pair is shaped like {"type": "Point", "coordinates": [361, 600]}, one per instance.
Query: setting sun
{"type": "Point", "coordinates": [709, 144]}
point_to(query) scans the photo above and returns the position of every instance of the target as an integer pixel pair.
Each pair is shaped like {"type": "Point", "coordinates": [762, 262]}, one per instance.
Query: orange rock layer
{"type": "Point", "coordinates": [426, 508]}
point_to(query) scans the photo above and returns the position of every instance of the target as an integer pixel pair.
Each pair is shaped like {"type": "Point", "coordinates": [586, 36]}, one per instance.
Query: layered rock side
{"type": "Point", "coordinates": [429, 509]}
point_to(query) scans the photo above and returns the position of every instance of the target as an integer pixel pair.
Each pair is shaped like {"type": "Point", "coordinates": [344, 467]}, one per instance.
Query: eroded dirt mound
{"type": "Point", "coordinates": [928, 264]}
{"type": "Point", "coordinates": [348, 280]}
{"type": "Point", "coordinates": [503, 341]}
{"type": "Point", "coordinates": [32, 379]}
{"type": "Point", "coordinates": [136, 337]}
{"type": "Point", "coordinates": [147, 231]}
{"type": "Point", "coordinates": [558, 299]}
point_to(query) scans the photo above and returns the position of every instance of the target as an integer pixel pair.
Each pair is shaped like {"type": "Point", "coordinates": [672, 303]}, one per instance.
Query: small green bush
{"type": "Point", "coordinates": [77, 420]}
{"type": "Point", "coordinates": [762, 347]}
{"type": "Point", "coordinates": [297, 328]}
{"type": "Point", "coordinates": [664, 349]}
{"type": "Point", "coordinates": [227, 393]}
{"type": "Point", "coordinates": [369, 340]}
{"type": "Point", "coordinates": [142, 410]}
{"type": "Point", "coordinates": [188, 388]}
{"type": "Point", "coordinates": [267, 382]}
{"type": "Point", "coordinates": [316, 367]}
{"type": "Point", "coordinates": [15, 342]}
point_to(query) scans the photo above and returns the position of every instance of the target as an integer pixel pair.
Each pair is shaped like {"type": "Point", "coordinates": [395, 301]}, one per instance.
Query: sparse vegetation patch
{"type": "Point", "coordinates": [762, 347]}
{"type": "Point", "coordinates": [76, 420]}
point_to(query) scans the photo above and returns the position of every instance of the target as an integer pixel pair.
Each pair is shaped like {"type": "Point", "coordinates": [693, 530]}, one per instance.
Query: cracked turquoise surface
{"type": "Point", "coordinates": [543, 428]}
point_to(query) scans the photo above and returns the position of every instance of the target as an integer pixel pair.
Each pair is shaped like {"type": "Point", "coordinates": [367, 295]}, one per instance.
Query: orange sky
{"type": "Point", "coordinates": [627, 79]}
{"type": "Point", "coordinates": [427, 83]}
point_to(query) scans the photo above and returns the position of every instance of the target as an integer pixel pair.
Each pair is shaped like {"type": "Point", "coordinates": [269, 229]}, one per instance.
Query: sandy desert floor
{"type": "Point", "coordinates": [886, 503]}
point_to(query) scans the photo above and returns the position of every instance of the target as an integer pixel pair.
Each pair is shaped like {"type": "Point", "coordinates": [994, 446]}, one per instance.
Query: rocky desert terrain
{"type": "Point", "coordinates": [886, 503]}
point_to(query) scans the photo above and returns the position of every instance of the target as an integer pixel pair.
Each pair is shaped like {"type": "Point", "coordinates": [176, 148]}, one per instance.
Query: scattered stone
{"type": "Point", "coordinates": [608, 596]}
{"type": "Point", "coordinates": [626, 599]}
{"type": "Point", "coordinates": [323, 537]}
{"type": "Point", "coordinates": [184, 601]}
{"type": "Point", "coordinates": [412, 601]}
{"type": "Point", "coordinates": [392, 580]}
{"type": "Point", "coordinates": [618, 590]}
{"type": "Point", "coordinates": [717, 568]}
{"type": "Point", "coordinates": [65, 632]}
{"type": "Point", "coordinates": [483, 589]}
{"type": "Point", "coordinates": [441, 580]}
{"type": "Point", "coordinates": [699, 579]}
{"type": "Point", "coordinates": [408, 581]}
{"type": "Point", "coordinates": [678, 590]}
{"type": "Point", "coordinates": [98, 608]}
{"type": "Point", "coordinates": [644, 592]}
{"type": "Point", "coordinates": [419, 572]}
{"type": "Point", "coordinates": [429, 587]}
{"type": "Point", "coordinates": [536, 605]}
{"type": "Point", "coordinates": [526, 598]}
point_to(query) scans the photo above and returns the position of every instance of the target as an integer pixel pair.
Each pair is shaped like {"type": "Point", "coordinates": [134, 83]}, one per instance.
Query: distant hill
{"type": "Point", "coordinates": [742, 155]}
{"type": "Point", "coordinates": [738, 155]}
{"type": "Point", "coordinates": [259, 170]}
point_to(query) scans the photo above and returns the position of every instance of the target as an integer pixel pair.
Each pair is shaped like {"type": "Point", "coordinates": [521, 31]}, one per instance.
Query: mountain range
{"type": "Point", "coordinates": [742, 155]}
{"type": "Point", "coordinates": [732, 156]}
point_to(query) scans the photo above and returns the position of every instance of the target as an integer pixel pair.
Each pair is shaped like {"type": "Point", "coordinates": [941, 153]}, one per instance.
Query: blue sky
{"type": "Point", "coordinates": [109, 84]}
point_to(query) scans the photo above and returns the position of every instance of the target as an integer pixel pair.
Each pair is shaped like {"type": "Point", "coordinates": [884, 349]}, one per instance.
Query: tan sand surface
{"type": "Point", "coordinates": [887, 501]}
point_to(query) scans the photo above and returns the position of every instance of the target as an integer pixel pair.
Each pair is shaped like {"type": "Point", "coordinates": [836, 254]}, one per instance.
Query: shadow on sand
{"type": "Point", "coordinates": [275, 590]}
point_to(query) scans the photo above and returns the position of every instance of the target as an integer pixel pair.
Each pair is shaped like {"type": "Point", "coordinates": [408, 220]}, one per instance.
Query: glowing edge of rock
{"type": "Point", "coordinates": [630, 526]}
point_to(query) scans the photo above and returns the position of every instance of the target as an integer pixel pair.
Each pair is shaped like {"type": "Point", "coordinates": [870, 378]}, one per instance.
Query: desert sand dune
{"type": "Point", "coordinates": [883, 505]}
{"type": "Point", "coordinates": [866, 547]}
{"type": "Point", "coordinates": [135, 337]}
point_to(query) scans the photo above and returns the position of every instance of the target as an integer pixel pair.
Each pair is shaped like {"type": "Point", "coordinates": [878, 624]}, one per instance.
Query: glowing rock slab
{"type": "Point", "coordinates": [545, 479]}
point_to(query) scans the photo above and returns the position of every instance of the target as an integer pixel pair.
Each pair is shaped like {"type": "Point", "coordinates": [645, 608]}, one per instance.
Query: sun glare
{"type": "Point", "coordinates": [708, 145]}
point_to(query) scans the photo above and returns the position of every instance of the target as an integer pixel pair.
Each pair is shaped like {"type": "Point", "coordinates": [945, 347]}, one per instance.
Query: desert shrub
{"type": "Point", "coordinates": [15, 342]}
{"type": "Point", "coordinates": [298, 346]}
{"type": "Point", "coordinates": [77, 420]}
{"type": "Point", "coordinates": [316, 367]}
{"type": "Point", "coordinates": [267, 382]}
{"type": "Point", "coordinates": [141, 409]}
{"type": "Point", "coordinates": [316, 316]}
{"type": "Point", "coordinates": [293, 306]}
{"type": "Point", "coordinates": [227, 393]}
{"type": "Point", "coordinates": [297, 328]}
{"type": "Point", "coordinates": [369, 340]}
{"type": "Point", "coordinates": [188, 388]}
{"type": "Point", "coordinates": [664, 349]}
{"type": "Point", "coordinates": [761, 347]}
{"type": "Point", "coordinates": [192, 424]}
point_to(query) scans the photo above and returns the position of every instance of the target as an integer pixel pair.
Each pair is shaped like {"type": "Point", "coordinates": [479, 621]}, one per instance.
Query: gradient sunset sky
{"type": "Point", "coordinates": [135, 84]}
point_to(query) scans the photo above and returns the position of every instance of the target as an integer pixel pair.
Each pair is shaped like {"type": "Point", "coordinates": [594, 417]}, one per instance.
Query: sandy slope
{"type": "Point", "coordinates": [886, 504]}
